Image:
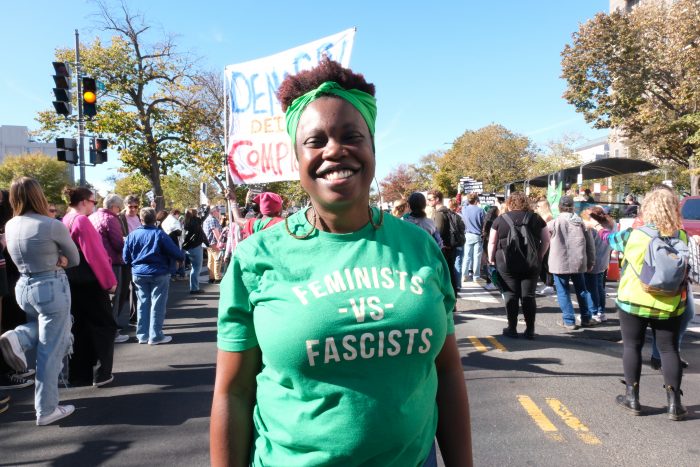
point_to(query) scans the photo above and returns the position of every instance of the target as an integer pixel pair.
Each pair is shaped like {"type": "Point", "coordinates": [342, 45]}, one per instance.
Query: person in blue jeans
{"type": "Point", "coordinates": [152, 256]}
{"type": "Point", "coordinates": [40, 247]}
{"type": "Point", "coordinates": [571, 254]}
{"type": "Point", "coordinates": [473, 217]}
{"type": "Point", "coordinates": [595, 279]}
{"type": "Point", "coordinates": [192, 244]}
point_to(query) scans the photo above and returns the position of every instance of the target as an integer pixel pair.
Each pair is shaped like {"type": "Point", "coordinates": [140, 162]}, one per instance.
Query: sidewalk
{"type": "Point", "coordinates": [156, 412]}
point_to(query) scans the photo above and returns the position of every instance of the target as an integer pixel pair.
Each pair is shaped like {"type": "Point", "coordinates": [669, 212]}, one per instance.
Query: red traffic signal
{"type": "Point", "coordinates": [98, 150]}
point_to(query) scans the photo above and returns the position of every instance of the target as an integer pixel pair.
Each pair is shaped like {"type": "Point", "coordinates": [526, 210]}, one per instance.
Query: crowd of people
{"type": "Point", "coordinates": [295, 329]}
{"type": "Point", "coordinates": [71, 287]}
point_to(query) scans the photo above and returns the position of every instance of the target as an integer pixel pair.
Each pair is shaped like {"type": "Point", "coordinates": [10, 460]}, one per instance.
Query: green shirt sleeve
{"type": "Point", "coordinates": [236, 331]}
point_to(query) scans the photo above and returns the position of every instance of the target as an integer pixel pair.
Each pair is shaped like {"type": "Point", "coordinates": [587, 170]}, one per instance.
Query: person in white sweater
{"type": "Point", "coordinates": [40, 247]}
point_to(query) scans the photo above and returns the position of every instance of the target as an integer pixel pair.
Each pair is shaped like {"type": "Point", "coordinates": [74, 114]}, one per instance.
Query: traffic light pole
{"type": "Point", "coordinates": [81, 122]}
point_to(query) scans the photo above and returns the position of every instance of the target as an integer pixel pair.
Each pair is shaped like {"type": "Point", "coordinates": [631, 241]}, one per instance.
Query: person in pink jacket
{"type": "Point", "coordinates": [93, 326]}
{"type": "Point", "coordinates": [106, 222]}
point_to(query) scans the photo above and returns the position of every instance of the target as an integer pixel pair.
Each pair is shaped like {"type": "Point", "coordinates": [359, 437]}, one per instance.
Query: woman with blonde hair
{"type": "Point", "coordinates": [40, 247]}
{"type": "Point", "coordinates": [640, 308]}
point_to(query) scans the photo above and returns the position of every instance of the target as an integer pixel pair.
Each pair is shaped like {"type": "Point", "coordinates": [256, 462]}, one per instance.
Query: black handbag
{"type": "Point", "coordinates": [81, 274]}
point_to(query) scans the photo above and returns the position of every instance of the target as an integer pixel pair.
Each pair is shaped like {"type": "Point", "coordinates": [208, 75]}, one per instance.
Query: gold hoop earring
{"type": "Point", "coordinates": [371, 218]}
{"type": "Point", "coordinates": [307, 234]}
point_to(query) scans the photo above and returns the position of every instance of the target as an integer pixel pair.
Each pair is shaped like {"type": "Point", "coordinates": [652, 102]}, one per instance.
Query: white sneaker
{"type": "Point", "coordinates": [164, 340]}
{"type": "Point", "coordinates": [12, 351]}
{"type": "Point", "coordinates": [602, 317]}
{"type": "Point", "coordinates": [596, 318]}
{"type": "Point", "coordinates": [62, 411]}
{"type": "Point", "coordinates": [490, 286]}
{"type": "Point", "coordinates": [547, 290]}
{"type": "Point", "coordinates": [120, 338]}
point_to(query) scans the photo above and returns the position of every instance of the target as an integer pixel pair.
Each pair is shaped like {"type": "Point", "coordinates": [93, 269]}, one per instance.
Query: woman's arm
{"type": "Point", "coordinates": [454, 433]}
{"type": "Point", "coordinates": [94, 251]}
{"type": "Point", "coordinates": [60, 235]}
{"type": "Point", "coordinates": [544, 242]}
{"type": "Point", "coordinates": [231, 426]}
{"type": "Point", "coordinates": [493, 240]}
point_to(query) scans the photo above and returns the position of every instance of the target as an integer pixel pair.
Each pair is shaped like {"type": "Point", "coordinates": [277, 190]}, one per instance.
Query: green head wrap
{"type": "Point", "coordinates": [365, 103]}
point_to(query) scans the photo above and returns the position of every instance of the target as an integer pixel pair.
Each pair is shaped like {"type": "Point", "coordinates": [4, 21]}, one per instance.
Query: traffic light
{"type": "Point", "coordinates": [98, 150]}
{"type": "Point", "coordinates": [62, 104]}
{"type": "Point", "coordinates": [66, 150]}
{"type": "Point", "coordinates": [89, 97]}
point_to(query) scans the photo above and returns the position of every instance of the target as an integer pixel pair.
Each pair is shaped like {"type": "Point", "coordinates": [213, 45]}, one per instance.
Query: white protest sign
{"type": "Point", "coordinates": [257, 145]}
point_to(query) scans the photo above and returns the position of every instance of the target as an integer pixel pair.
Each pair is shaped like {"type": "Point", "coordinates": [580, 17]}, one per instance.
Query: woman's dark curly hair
{"type": "Point", "coordinates": [297, 85]}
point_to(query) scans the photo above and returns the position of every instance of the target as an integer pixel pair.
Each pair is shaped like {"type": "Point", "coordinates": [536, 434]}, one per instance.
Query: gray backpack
{"type": "Point", "coordinates": [665, 267]}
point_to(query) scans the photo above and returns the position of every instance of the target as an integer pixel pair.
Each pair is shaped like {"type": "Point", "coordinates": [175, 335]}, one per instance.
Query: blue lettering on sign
{"type": "Point", "coordinates": [273, 83]}
{"type": "Point", "coordinates": [256, 96]}
{"type": "Point", "coordinates": [299, 58]}
{"type": "Point", "coordinates": [236, 91]}
{"type": "Point", "coordinates": [324, 50]}
{"type": "Point", "coordinates": [342, 51]}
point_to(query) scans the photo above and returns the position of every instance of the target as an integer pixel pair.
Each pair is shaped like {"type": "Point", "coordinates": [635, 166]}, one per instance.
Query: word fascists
{"type": "Point", "coordinates": [367, 345]}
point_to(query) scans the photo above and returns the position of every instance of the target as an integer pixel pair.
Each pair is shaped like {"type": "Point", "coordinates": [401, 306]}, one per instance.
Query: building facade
{"type": "Point", "coordinates": [15, 141]}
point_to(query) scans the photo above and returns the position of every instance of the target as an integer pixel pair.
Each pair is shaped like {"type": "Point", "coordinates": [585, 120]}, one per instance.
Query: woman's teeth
{"type": "Point", "coordinates": [337, 174]}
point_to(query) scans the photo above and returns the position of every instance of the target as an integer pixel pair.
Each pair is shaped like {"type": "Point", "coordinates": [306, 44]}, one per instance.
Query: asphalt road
{"type": "Point", "coordinates": [547, 402]}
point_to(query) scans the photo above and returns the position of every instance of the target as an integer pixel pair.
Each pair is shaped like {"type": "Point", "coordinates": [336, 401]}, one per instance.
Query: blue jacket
{"type": "Point", "coordinates": [150, 252]}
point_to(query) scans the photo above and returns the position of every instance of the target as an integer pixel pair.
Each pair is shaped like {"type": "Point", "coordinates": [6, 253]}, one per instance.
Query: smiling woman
{"type": "Point", "coordinates": [342, 320]}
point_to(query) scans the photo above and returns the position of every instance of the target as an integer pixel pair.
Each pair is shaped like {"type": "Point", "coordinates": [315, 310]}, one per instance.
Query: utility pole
{"type": "Point", "coordinates": [81, 122]}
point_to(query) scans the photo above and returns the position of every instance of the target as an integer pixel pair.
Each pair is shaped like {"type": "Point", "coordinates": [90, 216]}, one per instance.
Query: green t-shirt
{"type": "Point", "coordinates": [349, 326]}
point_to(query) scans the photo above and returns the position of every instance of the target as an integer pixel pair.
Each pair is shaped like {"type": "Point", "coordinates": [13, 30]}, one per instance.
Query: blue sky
{"type": "Point", "coordinates": [440, 68]}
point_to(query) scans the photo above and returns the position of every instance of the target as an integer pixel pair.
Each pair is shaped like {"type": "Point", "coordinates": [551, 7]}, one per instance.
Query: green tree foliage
{"type": "Point", "coordinates": [50, 173]}
{"type": "Point", "coordinates": [145, 105]}
{"type": "Point", "coordinates": [179, 190]}
{"type": "Point", "coordinates": [492, 154]}
{"type": "Point", "coordinates": [639, 72]}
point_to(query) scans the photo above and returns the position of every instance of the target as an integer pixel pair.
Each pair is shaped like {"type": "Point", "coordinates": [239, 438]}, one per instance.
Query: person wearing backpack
{"type": "Point", "coordinates": [571, 254]}
{"type": "Point", "coordinates": [652, 293]}
{"type": "Point", "coordinates": [517, 243]}
{"type": "Point", "coordinates": [474, 220]}
{"type": "Point", "coordinates": [448, 230]}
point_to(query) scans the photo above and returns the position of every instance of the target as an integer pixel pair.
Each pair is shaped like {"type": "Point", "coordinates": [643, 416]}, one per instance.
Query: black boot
{"type": "Point", "coordinates": [676, 411]}
{"type": "Point", "coordinates": [630, 401]}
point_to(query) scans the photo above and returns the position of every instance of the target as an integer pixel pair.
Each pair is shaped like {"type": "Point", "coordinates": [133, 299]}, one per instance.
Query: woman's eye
{"type": "Point", "coordinates": [354, 137]}
{"type": "Point", "coordinates": [314, 142]}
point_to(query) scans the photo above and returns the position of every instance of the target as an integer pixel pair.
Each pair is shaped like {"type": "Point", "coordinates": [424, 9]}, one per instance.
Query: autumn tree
{"type": "Point", "coordinates": [51, 174]}
{"type": "Point", "coordinates": [492, 154]}
{"type": "Point", "coordinates": [400, 183]}
{"type": "Point", "coordinates": [639, 73]}
{"type": "Point", "coordinates": [147, 92]}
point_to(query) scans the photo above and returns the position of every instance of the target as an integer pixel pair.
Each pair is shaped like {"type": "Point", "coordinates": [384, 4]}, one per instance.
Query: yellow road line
{"type": "Point", "coordinates": [540, 418]}
{"type": "Point", "coordinates": [477, 344]}
{"type": "Point", "coordinates": [574, 423]}
{"type": "Point", "coordinates": [496, 344]}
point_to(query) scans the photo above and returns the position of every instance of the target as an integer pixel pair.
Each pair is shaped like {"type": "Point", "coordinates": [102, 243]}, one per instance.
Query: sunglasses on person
{"type": "Point", "coordinates": [52, 210]}
{"type": "Point", "coordinates": [133, 207]}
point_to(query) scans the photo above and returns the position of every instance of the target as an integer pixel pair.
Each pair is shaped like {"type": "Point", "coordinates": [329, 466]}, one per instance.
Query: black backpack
{"type": "Point", "coordinates": [520, 248]}
{"type": "Point", "coordinates": [455, 238]}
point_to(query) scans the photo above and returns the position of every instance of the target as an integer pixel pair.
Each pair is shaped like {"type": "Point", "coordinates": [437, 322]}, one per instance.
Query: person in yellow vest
{"type": "Point", "coordinates": [640, 308]}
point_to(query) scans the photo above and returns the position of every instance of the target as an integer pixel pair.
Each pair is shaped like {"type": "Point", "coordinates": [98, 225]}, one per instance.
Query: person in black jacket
{"type": "Point", "coordinates": [194, 237]}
